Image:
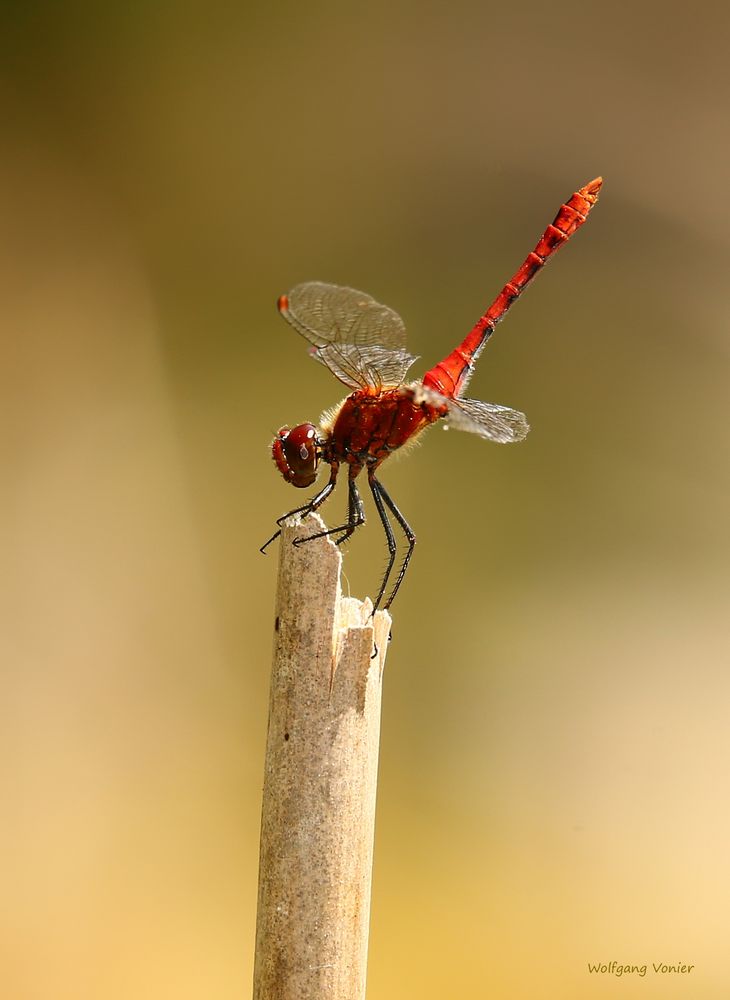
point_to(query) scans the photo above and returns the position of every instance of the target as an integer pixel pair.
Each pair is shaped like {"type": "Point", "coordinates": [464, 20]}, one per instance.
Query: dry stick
{"type": "Point", "coordinates": [320, 779]}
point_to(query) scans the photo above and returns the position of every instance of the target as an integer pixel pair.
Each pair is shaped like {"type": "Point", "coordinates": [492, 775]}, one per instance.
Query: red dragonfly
{"type": "Point", "coordinates": [363, 344]}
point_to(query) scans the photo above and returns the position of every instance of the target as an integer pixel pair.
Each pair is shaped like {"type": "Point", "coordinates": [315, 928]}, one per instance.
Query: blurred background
{"type": "Point", "coordinates": [555, 752]}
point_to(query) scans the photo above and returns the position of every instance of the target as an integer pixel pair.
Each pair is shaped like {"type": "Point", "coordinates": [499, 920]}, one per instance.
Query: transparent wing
{"type": "Point", "coordinates": [363, 367]}
{"type": "Point", "coordinates": [332, 314]}
{"type": "Point", "coordinates": [488, 420]}
{"type": "Point", "coordinates": [361, 341]}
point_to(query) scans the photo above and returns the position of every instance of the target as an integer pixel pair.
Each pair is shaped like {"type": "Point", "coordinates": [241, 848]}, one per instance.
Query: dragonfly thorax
{"type": "Point", "coordinates": [296, 453]}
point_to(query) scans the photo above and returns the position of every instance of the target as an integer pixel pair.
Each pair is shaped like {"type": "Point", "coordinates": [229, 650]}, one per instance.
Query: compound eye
{"type": "Point", "coordinates": [296, 454]}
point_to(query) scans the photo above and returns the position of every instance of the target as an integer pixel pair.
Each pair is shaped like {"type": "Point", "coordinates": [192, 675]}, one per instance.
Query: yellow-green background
{"type": "Point", "coordinates": [555, 755]}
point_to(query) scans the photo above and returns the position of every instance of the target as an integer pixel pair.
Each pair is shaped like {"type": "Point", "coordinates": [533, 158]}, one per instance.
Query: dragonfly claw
{"type": "Point", "coordinates": [265, 546]}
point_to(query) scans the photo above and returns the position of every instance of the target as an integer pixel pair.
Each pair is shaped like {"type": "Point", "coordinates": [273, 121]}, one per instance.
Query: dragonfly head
{"type": "Point", "coordinates": [296, 454]}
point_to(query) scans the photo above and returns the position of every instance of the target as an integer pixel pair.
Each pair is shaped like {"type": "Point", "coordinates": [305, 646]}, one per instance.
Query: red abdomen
{"type": "Point", "coordinates": [450, 376]}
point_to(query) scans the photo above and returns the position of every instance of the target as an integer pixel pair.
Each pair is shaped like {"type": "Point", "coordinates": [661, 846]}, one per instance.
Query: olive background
{"type": "Point", "coordinates": [555, 754]}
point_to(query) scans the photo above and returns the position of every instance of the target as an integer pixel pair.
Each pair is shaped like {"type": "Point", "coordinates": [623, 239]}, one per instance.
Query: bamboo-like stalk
{"type": "Point", "coordinates": [318, 813]}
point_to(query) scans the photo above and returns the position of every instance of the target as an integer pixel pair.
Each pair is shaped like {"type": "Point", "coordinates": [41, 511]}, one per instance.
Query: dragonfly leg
{"type": "Point", "coordinates": [351, 516]}
{"type": "Point", "coordinates": [376, 490]}
{"type": "Point", "coordinates": [307, 508]}
{"type": "Point", "coordinates": [355, 512]}
{"type": "Point", "coordinates": [355, 517]}
{"type": "Point", "coordinates": [407, 531]}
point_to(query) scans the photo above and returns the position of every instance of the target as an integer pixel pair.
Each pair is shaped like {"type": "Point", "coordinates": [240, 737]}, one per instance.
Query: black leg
{"type": "Point", "coordinates": [408, 533]}
{"type": "Point", "coordinates": [308, 507]}
{"type": "Point", "coordinates": [376, 488]}
{"type": "Point", "coordinates": [355, 512]}
{"type": "Point", "coordinates": [351, 516]}
{"type": "Point", "coordinates": [355, 517]}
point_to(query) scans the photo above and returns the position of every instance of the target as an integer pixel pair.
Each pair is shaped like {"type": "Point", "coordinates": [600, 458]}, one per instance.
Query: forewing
{"type": "Point", "coordinates": [334, 314]}
{"type": "Point", "coordinates": [361, 341]}
{"type": "Point", "coordinates": [488, 420]}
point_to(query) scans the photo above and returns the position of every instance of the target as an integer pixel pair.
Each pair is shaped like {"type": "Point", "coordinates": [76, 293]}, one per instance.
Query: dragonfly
{"type": "Point", "coordinates": [363, 344]}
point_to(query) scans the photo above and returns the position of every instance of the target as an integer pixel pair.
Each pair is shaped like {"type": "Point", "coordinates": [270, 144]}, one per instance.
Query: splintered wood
{"type": "Point", "coordinates": [318, 815]}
